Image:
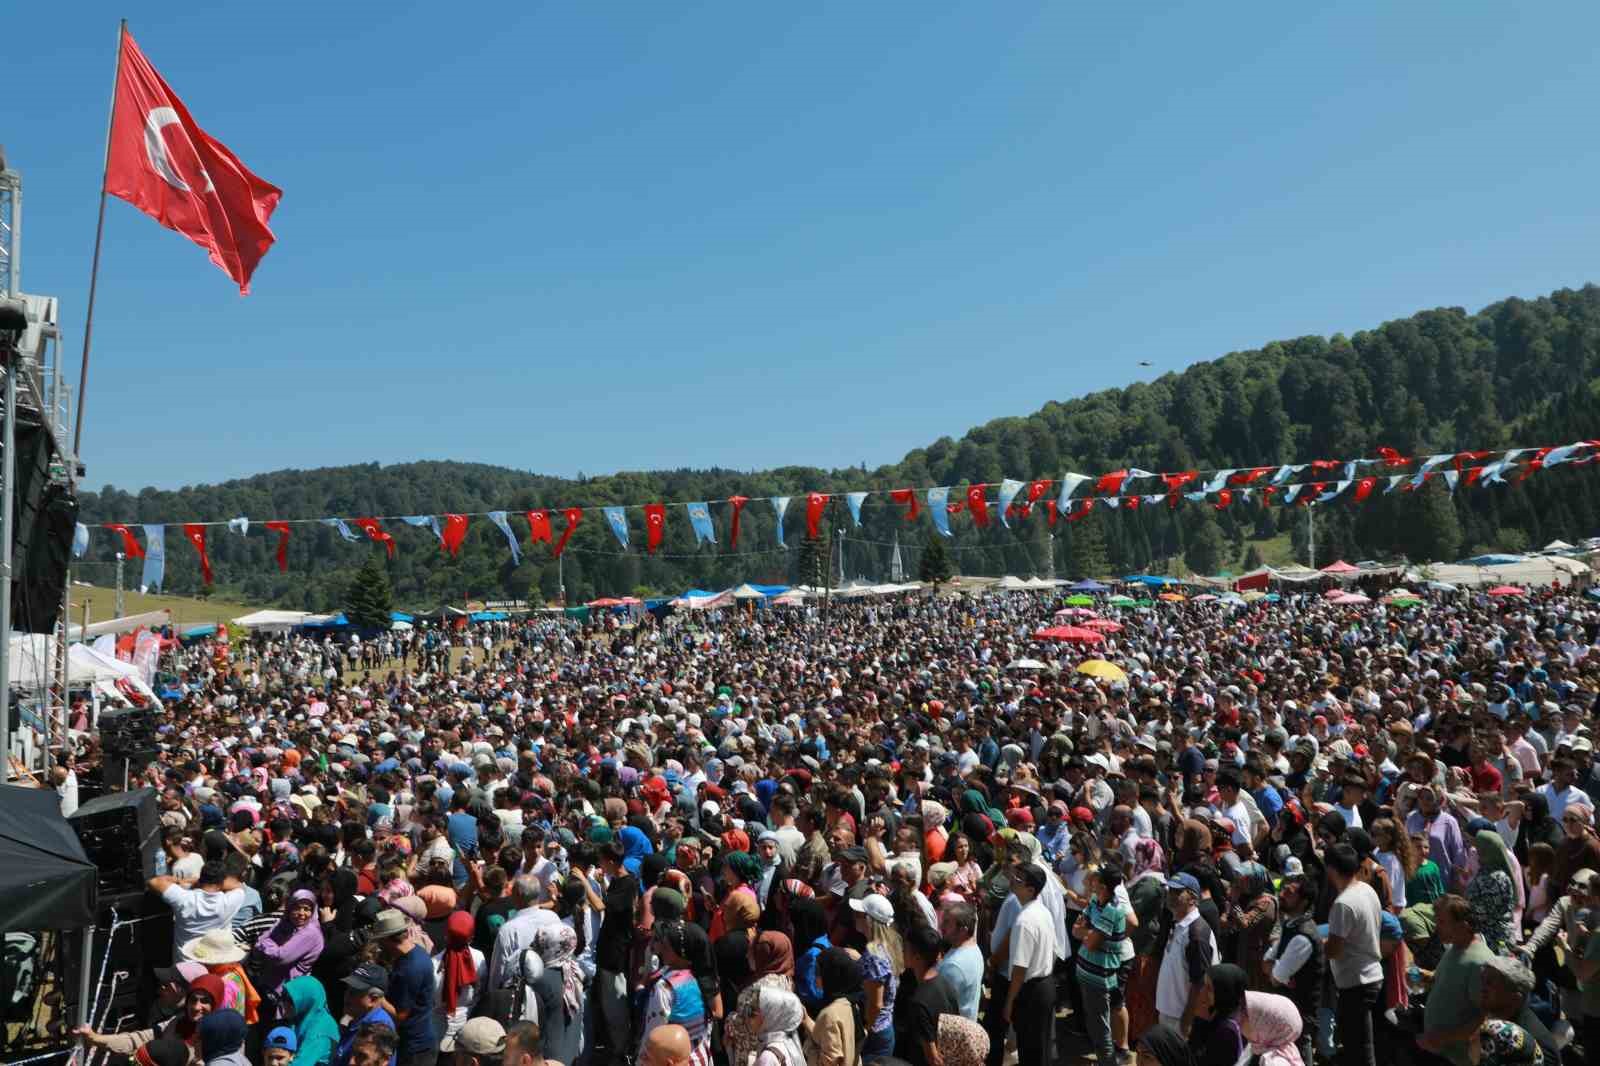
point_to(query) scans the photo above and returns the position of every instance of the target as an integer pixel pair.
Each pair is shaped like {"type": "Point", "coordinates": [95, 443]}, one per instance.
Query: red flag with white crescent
{"type": "Point", "coordinates": [373, 530]}
{"type": "Point", "coordinates": [163, 163]}
{"type": "Point", "coordinates": [908, 497]}
{"type": "Point", "coordinates": [197, 536]}
{"type": "Point", "coordinates": [816, 503]}
{"type": "Point", "coordinates": [130, 544]}
{"type": "Point", "coordinates": [978, 504]}
{"type": "Point", "coordinates": [455, 531]}
{"type": "Point", "coordinates": [655, 517]}
{"type": "Point", "coordinates": [539, 527]}
{"type": "Point", "coordinates": [737, 503]}
{"type": "Point", "coordinates": [282, 530]}
{"type": "Point", "coordinates": [573, 515]}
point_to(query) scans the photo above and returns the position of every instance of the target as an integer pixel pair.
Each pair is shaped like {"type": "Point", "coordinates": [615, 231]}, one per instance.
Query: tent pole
{"type": "Point", "coordinates": [86, 966]}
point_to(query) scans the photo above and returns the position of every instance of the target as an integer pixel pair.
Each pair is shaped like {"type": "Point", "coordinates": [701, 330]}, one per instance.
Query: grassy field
{"type": "Point", "coordinates": [185, 611]}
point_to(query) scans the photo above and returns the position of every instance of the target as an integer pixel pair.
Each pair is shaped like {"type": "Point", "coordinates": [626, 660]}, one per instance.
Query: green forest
{"type": "Point", "coordinates": [1517, 373]}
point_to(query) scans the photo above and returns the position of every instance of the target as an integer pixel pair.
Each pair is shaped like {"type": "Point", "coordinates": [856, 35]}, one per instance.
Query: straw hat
{"type": "Point", "coordinates": [214, 949]}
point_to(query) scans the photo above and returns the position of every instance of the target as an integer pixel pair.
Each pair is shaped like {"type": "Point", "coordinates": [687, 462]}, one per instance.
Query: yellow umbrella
{"type": "Point", "coordinates": [1102, 669]}
{"type": "Point", "coordinates": [1172, 597]}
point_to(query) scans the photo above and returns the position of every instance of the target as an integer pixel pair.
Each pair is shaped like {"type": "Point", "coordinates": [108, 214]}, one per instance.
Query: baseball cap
{"type": "Point", "coordinates": [282, 1038]}
{"type": "Point", "coordinates": [367, 977]}
{"type": "Point", "coordinates": [482, 1036]}
{"type": "Point", "coordinates": [182, 974]}
{"type": "Point", "coordinates": [1186, 882]}
{"type": "Point", "coordinates": [876, 907]}
{"type": "Point", "coordinates": [855, 853]}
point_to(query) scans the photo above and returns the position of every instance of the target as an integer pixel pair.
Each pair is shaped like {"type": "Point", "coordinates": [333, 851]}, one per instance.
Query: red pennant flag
{"type": "Point", "coordinates": [1132, 502]}
{"type": "Point", "coordinates": [1224, 498]}
{"type": "Point", "coordinates": [130, 545]}
{"type": "Point", "coordinates": [978, 504]}
{"type": "Point", "coordinates": [1364, 487]}
{"type": "Point", "coordinates": [1251, 476]}
{"type": "Point", "coordinates": [1110, 484]}
{"type": "Point", "coordinates": [907, 497]}
{"type": "Point", "coordinates": [282, 530]}
{"type": "Point", "coordinates": [1037, 489]}
{"type": "Point", "coordinates": [1175, 482]}
{"type": "Point", "coordinates": [1311, 492]}
{"type": "Point", "coordinates": [197, 536]}
{"type": "Point", "coordinates": [1078, 512]}
{"type": "Point", "coordinates": [1534, 464]}
{"type": "Point", "coordinates": [573, 515]}
{"type": "Point", "coordinates": [955, 508]}
{"type": "Point", "coordinates": [455, 531]}
{"type": "Point", "coordinates": [1392, 458]}
{"type": "Point", "coordinates": [374, 531]}
{"type": "Point", "coordinates": [1463, 458]}
{"type": "Point", "coordinates": [655, 517]}
{"type": "Point", "coordinates": [816, 503]}
{"type": "Point", "coordinates": [163, 163]}
{"type": "Point", "coordinates": [1267, 494]}
{"type": "Point", "coordinates": [538, 527]}
{"type": "Point", "coordinates": [1325, 464]}
{"type": "Point", "coordinates": [1472, 473]}
{"type": "Point", "coordinates": [1051, 513]}
{"type": "Point", "coordinates": [737, 503]}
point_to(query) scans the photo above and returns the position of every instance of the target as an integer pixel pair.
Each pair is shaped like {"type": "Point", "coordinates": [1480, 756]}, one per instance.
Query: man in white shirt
{"type": "Point", "coordinates": [1563, 788]}
{"type": "Point", "coordinates": [66, 783]}
{"type": "Point", "coordinates": [1354, 923]}
{"type": "Point", "coordinates": [1031, 993]}
{"type": "Point", "coordinates": [1191, 951]}
{"type": "Point", "coordinates": [516, 936]}
{"type": "Point", "coordinates": [199, 910]}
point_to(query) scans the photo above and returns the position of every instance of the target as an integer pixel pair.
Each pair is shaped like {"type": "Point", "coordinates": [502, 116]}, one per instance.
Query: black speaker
{"type": "Point", "coordinates": [35, 609]}
{"type": "Point", "coordinates": [42, 563]}
{"type": "Point", "coordinates": [121, 834]}
{"type": "Point", "coordinates": [126, 768]}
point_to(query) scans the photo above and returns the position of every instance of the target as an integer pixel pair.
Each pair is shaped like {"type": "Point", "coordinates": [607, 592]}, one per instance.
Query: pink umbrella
{"type": "Point", "coordinates": [1069, 635]}
{"type": "Point", "coordinates": [1076, 612]}
{"type": "Point", "coordinates": [1507, 590]}
{"type": "Point", "coordinates": [1103, 625]}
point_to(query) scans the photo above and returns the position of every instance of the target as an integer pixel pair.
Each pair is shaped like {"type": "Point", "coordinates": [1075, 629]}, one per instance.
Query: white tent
{"type": "Point", "coordinates": [747, 591]}
{"type": "Point", "coordinates": [126, 624]}
{"type": "Point", "coordinates": [1558, 546]}
{"type": "Point", "coordinates": [792, 598]}
{"type": "Point", "coordinates": [704, 603]}
{"type": "Point", "coordinates": [1011, 583]}
{"type": "Point", "coordinates": [272, 620]}
{"type": "Point", "coordinates": [1531, 571]}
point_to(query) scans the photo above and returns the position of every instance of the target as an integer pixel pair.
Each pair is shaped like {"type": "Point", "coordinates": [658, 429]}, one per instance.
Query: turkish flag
{"type": "Point", "coordinates": [655, 516]}
{"type": "Point", "coordinates": [282, 530]}
{"type": "Point", "coordinates": [1037, 489]}
{"type": "Point", "coordinates": [197, 537]}
{"type": "Point", "coordinates": [163, 163]}
{"type": "Point", "coordinates": [573, 515]}
{"type": "Point", "coordinates": [130, 546]}
{"type": "Point", "coordinates": [539, 527]}
{"type": "Point", "coordinates": [908, 497]}
{"type": "Point", "coordinates": [372, 529]}
{"type": "Point", "coordinates": [816, 503]}
{"type": "Point", "coordinates": [455, 531]}
{"type": "Point", "coordinates": [1364, 487]}
{"type": "Point", "coordinates": [978, 504]}
{"type": "Point", "coordinates": [737, 503]}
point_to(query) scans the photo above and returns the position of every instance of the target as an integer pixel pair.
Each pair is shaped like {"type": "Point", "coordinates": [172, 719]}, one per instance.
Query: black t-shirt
{"type": "Point", "coordinates": [917, 1006]}
{"type": "Point", "coordinates": [490, 917]}
{"type": "Point", "coordinates": [616, 930]}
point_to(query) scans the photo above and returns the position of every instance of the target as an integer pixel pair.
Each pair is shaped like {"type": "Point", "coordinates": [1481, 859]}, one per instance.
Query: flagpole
{"type": "Point", "coordinates": [99, 232]}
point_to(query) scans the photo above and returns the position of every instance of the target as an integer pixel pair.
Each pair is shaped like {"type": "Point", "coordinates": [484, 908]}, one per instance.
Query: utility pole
{"type": "Point", "coordinates": [1311, 535]}
{"type": "Point", "coordinates": [827, 596]}
{"type": "Point", "coordinates": [561, 580]}
{"type": "Point", "coordinates": [120, 558]}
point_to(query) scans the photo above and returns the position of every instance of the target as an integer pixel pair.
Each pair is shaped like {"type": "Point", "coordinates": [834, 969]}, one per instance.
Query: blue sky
{"type": "Point", "coordinates": [591, 237]}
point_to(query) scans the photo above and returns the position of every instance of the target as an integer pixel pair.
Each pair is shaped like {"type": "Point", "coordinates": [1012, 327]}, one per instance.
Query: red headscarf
{"type": "Point", "coordinates": [459, 971]}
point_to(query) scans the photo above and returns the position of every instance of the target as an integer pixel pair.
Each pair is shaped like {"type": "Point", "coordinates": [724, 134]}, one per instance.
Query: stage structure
{"type": "Point", "coordinates": [38, 502]}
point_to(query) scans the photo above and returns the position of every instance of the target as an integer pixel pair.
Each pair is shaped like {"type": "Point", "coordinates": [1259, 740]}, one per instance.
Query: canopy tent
{"type": "Point", "coordinates": [32, 654]}
{"type": "Point", "coordinates": [1011, 583]}
{"type": "Point", "coordinates": [747, 591]}
{"type": "Point", "coordinates": [1339, 568]}
{"type": "Point", "coordinates": [272, 621]}
{"type": "Point", "coordinates": [1529, 570]}
{"type": "Point", "coordinates": [1088, 584]}
{"type": "Point", "coordinates": [704, 601]}
{"type": "Point", "coordinates": [1026, 664]}
{"type": "Point", "coordinates": [125, 624]}
{"type": "Point", "coordinates": [1557, 546]}
{"type": "Point", "coordinates": [46, 880]}
{"type": "Point", "coordinates": [1151, 580]}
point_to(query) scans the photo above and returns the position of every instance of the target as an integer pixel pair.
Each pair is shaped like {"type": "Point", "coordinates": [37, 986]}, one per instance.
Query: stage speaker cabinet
{"type": "Point", "coordinates": [43, 521]}
{"type": "Point", "coordinates": [121, 835]}
{"type": "Point", "coordinates": [125, 768]}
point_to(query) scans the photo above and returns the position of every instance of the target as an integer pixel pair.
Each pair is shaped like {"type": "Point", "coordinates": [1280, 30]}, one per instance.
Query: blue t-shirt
{"type": "Point", "coordinates": [1269, 802]}
{"type": "Point", "coordinates": [807, 983]}
{"type": "Point", "coordinates": [963, 968]}
{"type": "Point", "coordinates": [375, 1016]}
{"type": "Point", "coordinates": [411, 989]}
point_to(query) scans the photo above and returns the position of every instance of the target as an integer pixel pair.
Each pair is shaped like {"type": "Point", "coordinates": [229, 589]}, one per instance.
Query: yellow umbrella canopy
{"type": "Point", "coordinates": [1106, 671]}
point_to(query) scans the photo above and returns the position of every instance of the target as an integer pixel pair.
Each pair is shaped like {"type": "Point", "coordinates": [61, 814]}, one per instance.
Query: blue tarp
{"type": "Point", "coordinates": [196, 632]}
{"type": "Point", "coordinates": [694, 594]}
{"type": "Point", "coordinates": [771, 590]}
{"type": "Point", "coordinates": [1492, 560]}
{"type": "Point", "coordinates": [487, 616]}
{"type": "Point", "coordinates": [400, 616]}
{"type": "Point", "coordinates": [338, 621]}
{"type": "Point", "coordinates": [1088, 584]}
{"type": "Point", "coordinates": [1151, 580]}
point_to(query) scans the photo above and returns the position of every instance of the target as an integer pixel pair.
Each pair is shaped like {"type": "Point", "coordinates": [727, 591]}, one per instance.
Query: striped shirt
{"type": "Point", "coordinates": [1098, 968]}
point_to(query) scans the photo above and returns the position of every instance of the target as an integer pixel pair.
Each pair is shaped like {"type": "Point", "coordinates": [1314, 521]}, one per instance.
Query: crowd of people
{"type": "Point", "coordinates": [1287, 830]}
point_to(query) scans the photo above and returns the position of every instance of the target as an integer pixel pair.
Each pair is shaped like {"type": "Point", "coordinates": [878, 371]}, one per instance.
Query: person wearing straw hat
{"type": "Point", "coordinates": [220, 954]}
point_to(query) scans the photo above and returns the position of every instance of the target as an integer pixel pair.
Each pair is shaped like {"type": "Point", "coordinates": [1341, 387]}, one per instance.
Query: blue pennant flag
{"type": "Point", "coordinates": [1069, 485]}
{"type": "Point", "coordinates": [240, 525]}
{"type": "Point", "coordinates": [427, 521]}
{"type": "Point", "coordinates": [1394, 482]}
{"type": "Point", "coordinates": [1285, 473]}
{"type": "Point", "coordinates": [1290, 493]}
{"type": "Point", "coordinates": [780, 504]}
{"type": "Point", "coordinates": [155, 558]}
{"type": "Point", "coordinates": [1493, 471]}
{"type": "Point", "coordinates": [1451, 477]}
{"type": "Point", "coordinates": [1432, 461]}
{"type": "Point", "coordinates": [344, 530]}
{"type": "Point", "coordinates": [939, 508]}
{"type": "Point", "coordinates": [700, 522]}
{"type": "Point", "coordinates": [1333, 492]}
{"type": "Point", "coordinates": [1195, 497]}
{"type": "Point", "coordinates": [1008, 492]}
{"type": "Point", "coordinates": [1218, 481]}
{"type": "Point", "coordinates": [499, 519]}
{"type": "Point", "coordinates": [617, 517]}
{"type": "Point", "coordinates": [1563, 454]}
{"type": "Point", "coordinates": [854, 500]}
{"type": "Point", "coordinates": [1112, 502]}
{"type": "Point", "coordinates": [1151, 501]}
{"type": "Point", "coordinates": [80, 541]}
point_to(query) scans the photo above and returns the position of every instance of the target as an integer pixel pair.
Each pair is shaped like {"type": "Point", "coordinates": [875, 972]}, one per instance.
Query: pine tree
{"type": "Point", "coordinates": [934, 567]}
{"type": "Point", "coordinates": [369, 598]}
{"type": "Point", "coordinates": [1086, 555]}
{"type": "Point", "coordinates": [1204, 549]}
{"type": "Point", "coordinates": [1433, 530]}
{"type": "Point", "coordinates": [813, 561]}
{"type": "Point", "coordinates": [1252, 558]}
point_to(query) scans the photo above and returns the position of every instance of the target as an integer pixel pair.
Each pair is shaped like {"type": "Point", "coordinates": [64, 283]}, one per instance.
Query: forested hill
{"type": "Point", "coordinates": [1520, 372]}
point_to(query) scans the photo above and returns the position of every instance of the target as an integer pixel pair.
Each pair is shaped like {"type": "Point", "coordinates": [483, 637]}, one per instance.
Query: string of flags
{"type": "Point", "coordinates": [1071, 497]}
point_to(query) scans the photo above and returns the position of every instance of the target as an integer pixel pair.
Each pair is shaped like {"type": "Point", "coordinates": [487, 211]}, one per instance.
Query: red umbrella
{"type": "Point", "coordinates": [1507, 590]}
{"type": "Point", "coordinates": [1104, 625]}
{"type": "Point", "coordinates": [1069, 635]}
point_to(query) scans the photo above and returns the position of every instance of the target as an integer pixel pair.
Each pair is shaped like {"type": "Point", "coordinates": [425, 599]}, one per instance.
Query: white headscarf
{"type": "Point", "coordinates": [781, 1015]}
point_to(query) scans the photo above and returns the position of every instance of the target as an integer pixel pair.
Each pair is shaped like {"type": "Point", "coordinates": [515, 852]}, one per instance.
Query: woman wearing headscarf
{"type": "Point", "coordinates": [1270, 1024]}
{"type": "Point", "coordinates": [1537, 827]}
{"type": "Point", "coordinates": [635, 846]}
{"type": "Point", "coordinates": [776, 1020]}
{"type": "Point", "coordinates": [316, 1031]}
{"type": "Point", "coordinates": [562, 994]}
{"type": "Point", "coordinates": [684, 991]}
{"type": "Point", "coordinates": [1217, 1037]}
{"type": "Point", "coordinates": [772, 869]}
{"type": "Point", "coordinates": [205, 995]}
{"type": "Point", "coordinates": [221, 1041]}
{"type": "Point", "coordinates": [1580, 849]}
{"type": "Point", "coordinates": [740, 869]}
{"type": "Point", "coordinates": [836, 1035]}
{"type": "Point", "coordinates": [416, 913]}
{"type": "Point", "coordinates": [459, 975]}
{"type": "Point", "coordinates": [771, 965]}
{"type": "Point", "coordinates": [1251, 921]}
{"type": "Point", "coordinates": [934, 836]}
{"type": "Point", "coordinates": [810, 940]}
{"type": "Point", "coordinates": [1493, 894]}
{"type": "Point", "coordinates": [291, 947]}
{"type": "Point", "coordinates": [1163, 1045]}
{"type": "Point", "coordinates": [1147, 892]}
{"type": "Point", "coordinates": [167, 1051]}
